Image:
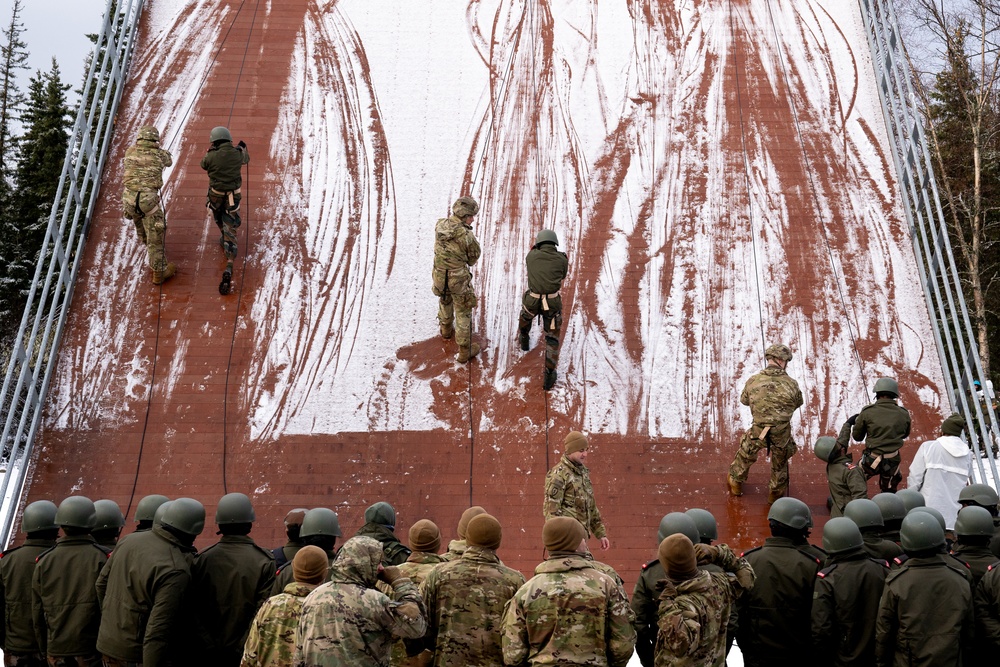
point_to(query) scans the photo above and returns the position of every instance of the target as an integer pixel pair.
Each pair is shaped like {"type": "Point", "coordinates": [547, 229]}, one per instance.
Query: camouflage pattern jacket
{"type": "Point", "coordinates": [271, 641]}
{"type": "Point", "coordinates": [455, 550]}
{"type": "Point", "coordinates": [772, 396]}
{"type": "Point", "coordinates": [144, 165]}
{"type": "Point", "coordinates": [346, 621]}
{"type": "Point", "coordinates": [17, 565]}
{"type": "Point", "coordinates": [416, 568]}
{"type": "Point", "coordinates": [394, 552]}
{"type": "Point", "coordinates": [568, 613]}
{"type": "Point", "coordinates": [846, 481]}
{"type": "Point", "coordinates": [224, 164]}
{"type": "Point", "coordinates": [465, 601]}
{"type": "Point", "coordinates": [883, 425]}
{"type": "Point", "coordinates": [568, 492]}
{"type": "Point", "coordinates": [455, 250]}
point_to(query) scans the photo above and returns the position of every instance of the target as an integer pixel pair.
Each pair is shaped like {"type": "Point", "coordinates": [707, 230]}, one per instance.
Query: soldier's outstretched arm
{"type": "Point", "coordinates": [621, 639]}
{"type": "Point", "coordinates": [405, 615]}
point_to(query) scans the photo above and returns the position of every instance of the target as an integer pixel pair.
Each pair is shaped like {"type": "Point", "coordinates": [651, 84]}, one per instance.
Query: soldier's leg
{"type": "Point", "coordinates": [889, 476]}
{"type": "Point", "coordinates": [155, 228]}
{"type": "Point", "coordinates": [529, 311]}
{"type": "Point", "coordinates": [446, 314]}
{"type": "Point", "coordinates": [552, 321]}
{"type": "Point", "coordinates": [463, 319]}
{"type": "Point", "coordinates": [782, 449]}
{"type": "Point", "coordinates": [230, 222]}
{"type": "Point", "coordinates": [746, 455]}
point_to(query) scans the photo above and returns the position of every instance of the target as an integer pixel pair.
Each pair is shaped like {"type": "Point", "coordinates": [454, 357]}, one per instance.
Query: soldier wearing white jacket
{"type": "Point", "coordinates": [941, 469]}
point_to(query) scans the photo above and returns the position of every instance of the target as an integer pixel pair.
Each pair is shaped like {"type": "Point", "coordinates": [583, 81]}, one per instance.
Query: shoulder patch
{"type": "Point", "coordinates": [39, 556]}
{"type": "Point", "coordinates": [881, 561]}
{"type": "Point", "coordinates": [749, 551]}
{"type": "Point", "coordinates": [10, 551]}
{"type": "Point", "coordinates": [849, 465]}
{"type": "Point", "coordinates": [266, 552]}
{"type": "Point", "coordinates": [992, 567]}
{"type": "Point", "coordinates": [650, 564]}
{"type": "Point", "coordinates": [826, 570]}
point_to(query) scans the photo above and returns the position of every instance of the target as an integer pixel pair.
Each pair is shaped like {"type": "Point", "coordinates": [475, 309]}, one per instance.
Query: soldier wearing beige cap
{"type": "Point", "coordinates": [568, 491]}
{"type": "Point", "coordinates": [457, 547]}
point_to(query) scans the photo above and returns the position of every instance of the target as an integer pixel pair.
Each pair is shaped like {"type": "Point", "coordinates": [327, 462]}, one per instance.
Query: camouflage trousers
{"type": "Point", "coordinates": [150, 224]}
{"type": "Point", "coordinates": [531, 308]}
{"type": "Point", "coordinates": [75, 660]}
{"type": "Point", "coordinates": [458, 307]}
{"type": "Point", "coordinates": [225, 209]}
{"type": "Point", "coordinates": [23, 660]}
{"type": "Point", "coordinates": [779, 440]}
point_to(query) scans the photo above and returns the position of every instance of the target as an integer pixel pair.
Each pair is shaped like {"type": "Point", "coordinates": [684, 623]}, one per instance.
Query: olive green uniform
{"type": "Point", "coordinates": [143, 178]}
{"type": "Point", "coordinates": [568, 492]}
{"type": "Point", "coordinates": [394, 552]}
{"type": "Point", "coordinates": [17, 567]}
{"type": "Point", "coordinates": [977, 558]}
{"type": "Point", "coordinates": [547, 268]}
{"type": "Point", "coordinates": [847, 482]}
{"type": "Point", "coordinates": [455, 250]}
{"type": "Point", "coordinates": [224, 164]}
{"type": "Point", "coordinates": [880, 548]}
{"type": "Point", "coordinates": [845, 603]}
{"type": "Point", "coordinates": [883, 425]}
{"type": "Point", "coordinates": [987, 611]}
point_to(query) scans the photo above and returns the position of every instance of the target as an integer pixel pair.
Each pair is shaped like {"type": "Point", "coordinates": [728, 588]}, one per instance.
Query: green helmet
{"type": "Point", "coordinates": [887, 386]}
{"type": "Point", "coordinates": [921, 532]}
{"type": "Point", "coordinates": [547, 236]}
{"type": "Point", "coordinates": [865, 513]}
{"type": "Point", "coordinates": [791, 512]}
{"type": "Point", "coordinates": [109, 515]}
{"type": "Point", "coordinates": [146, 509]}
{"type": "Point", "coordinates": [933, 512]}
{"type": "Point", "coordinates": [840, 534]}
{"type": "Point", "coordinates": [160, 512]}
{"type": "Point", "coordinates": [982, 495]}
{"type": "Point", "coordinates": [465, 206]}
{"type": "Point", "coordinates": [220, 134]}
{"type": "Point", "coordinates": [678, 522]}
{"type": "Point", "coordinates": [38, 516]}
{"type": "Point", "coordinates": [911, 498]}
{"type": "Point", "coordinates": [381, 513]}
{"type": "Point", "coordinates": [320, 521]}
{"type": "Point", "coordinates": [76, 512]}
{"type": "Point", "coordinates": [891, 506]}
{"type": "Point", "coordinates": [149, 133]}
{"type": "Point", "coordinates": [825, 446]}
{"type": "Point", "coordinates": [234, 508]}
{"type": "Point", "coordinates": [186, 515]}
{"type": "Point", "coordinates": [708, 529]}
{"type": "Point", "coordinates": [974, 521]}
{"type": "Point", "coordinates": [778, 351]}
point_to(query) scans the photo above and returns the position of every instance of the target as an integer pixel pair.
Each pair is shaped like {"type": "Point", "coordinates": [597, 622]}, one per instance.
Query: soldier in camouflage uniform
{"type": "Point", "coordinates": [347, 621]}
{"type": "Point", "coordinates": [144, 165]}
{"type": "Point", "coordinates": [224, 164]}
{"type": "Point", "coordinates": [455, 250]}
{"type": "Point", "coordinates": [547, 268]}
{"type": "Point", "coordinates": [465, 600]}
{"type": "Point", "coordinates": [568, 491]}
{"type": "Point", "coordinates": [772, 396]}
{"type": "Point", "coordinates": [271, 641]}
{"type": "Point", "coordinates": [380, 524]}
{"type": "Point", "coordinates": [568, 613]}
{"type": "Point", "coordinates": [320, 528]}
{"type": "Point", "coordinates": [883, 425]}
{"type": "Point", "coordinates": [425, 541]}
{"type": "Point", "coordinates": [17, 567]}
{"type": "Point", "coordinates": [457, 547]}
{"type": "Point", "coordinates": [694, 603]}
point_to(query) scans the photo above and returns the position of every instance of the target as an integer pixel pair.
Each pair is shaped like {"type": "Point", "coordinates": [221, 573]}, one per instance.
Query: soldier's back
{"type": "Point", "coordinates": [17, 568]}
{"type": "Point", "coordinates": [64, 585]}
{"type": "Point", "coordinates": [845, 607]}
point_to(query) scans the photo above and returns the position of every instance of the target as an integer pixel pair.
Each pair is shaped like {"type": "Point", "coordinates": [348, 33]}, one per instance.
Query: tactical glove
{"type": "Point", "coordinates": [242, 144]}
{"type": "Point", "coordinates": [390, 574]}
{"type": "Point", "coordinates": [852, 419]}
{"type": "Point", "coordinates": [705, 553]}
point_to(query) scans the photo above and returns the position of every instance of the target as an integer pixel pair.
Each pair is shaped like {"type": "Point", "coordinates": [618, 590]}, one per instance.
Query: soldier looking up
{"type": "Point", "coordinates": [141, 183]}
{"type": "Point", "coordinates": [380, 523]}
{"type": "Point", "coordinates": [846, 480]}
{"type": "Point", "coordinates": [568, 491]}
{"type": "Point", "coordinates": [455, 250]}
{"type": "Point", "coordinates": [883, 425]}
{"type": "Point", "coordinates": [224, 164]}
{"type": "Point", "coordinates": [547, 268]}
{"type": "Point", "coordinates": [457, 547]}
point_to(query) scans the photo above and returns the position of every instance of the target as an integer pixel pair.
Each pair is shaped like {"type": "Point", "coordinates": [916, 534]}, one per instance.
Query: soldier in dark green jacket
{"type": "Point", "coordinates": [983, 495]}
{"type": "Point", "coordinates": [320, 528]}
{"type": "Point", "coordinates": [380, 524]}
{"type": "Point", "coordinates": [17, 566]}
{"type": "Point", "coordinates": [547, 268]}
{"type": "Point", "coordinates": [987, 611]}
{"type": "Point", "coordinates": [883, 425]}
{"type": "Point", "coordinates": [143, 594]}
{"type": "Point", "coordinates": [224, 164]}
{"type": "Point", "coordinates": [973, 530]}
{"type": "Point", "coordinates": [868, 518]}
{"type": "Point", "coordinates": [231, 580]}
{"type": "Point", "coordinates": [845, 479]}
{"type": "Point", "coordinates": [66, 612]}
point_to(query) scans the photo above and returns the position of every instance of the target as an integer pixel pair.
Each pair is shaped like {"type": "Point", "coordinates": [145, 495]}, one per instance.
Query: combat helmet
{"type": "Point", "coordinates": [186, 515]}
{"type": "Point", "coordinates": [911, 498]}
{"type": "Point", "coordinates": [38, 516]}
{"type": "Point", "coordinates": [678, 522]}
{"type": "Point", "coordinates": [76, 512]}
{"type": "Point", "coordinates": [791, 512]}
{"type": "Point", "coordinates": [982, 495]}
{"type": "Point", "coordinates": [933, 512]}
{"type": "Point", "coordinates": [381, 513]}
{"type": "Point", "coordinates": [234, 508]}
{"type": "Point", "coordinates": [149, 133]}
{"type": "Point", "coordinates": [146, 509]}
{"type": "Point", "coordinates": [974, 521]}
{"type": "Point", "coordinates": [546, 236]}
{"type": "Point", "coordinates": [220, 134]}
{"type": "Point", "coordinates": [708, 529]}
{"type": "Point", "coordinates": [109, 515]}
{"type": "Point", "coordinates": [920, 532]}
{"type": "Point", "coordinates": [778, 351]}
{"type": "Point", "coordinates": [464, 207]}
{"type": "Point", "coordinates": [320, 521]}
{"type": "Point", "coordinates": [892, 506]}
{"type": "Point", "coordinates": [161, 512]}
{"type": "Point", "coordinates": [825, 447]}
{"type": "Point", "coordinates": [865, 513]}
{"type": "Point", "coordinates": [886, 386]}
{"type": "Point", "coordinates": [840, 534]}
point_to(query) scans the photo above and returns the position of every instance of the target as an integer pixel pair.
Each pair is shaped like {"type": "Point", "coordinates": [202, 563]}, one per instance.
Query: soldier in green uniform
{"type": "Point", "coordinates": [293, 526]}
{"type": "Point", "coordinates": [145, 511]}
{"type": "Point", "coordinates": [380, 523]}
{"type": "Point", "coordinates": [231, 580]}
{"type": "Point", "coordinates": [846, 595]}
{"type": "Point", "coordinates": [925, 615]}
{"type": "Point", "coordinates": [547, 268]}
{"type": "Point", "coordinates": [569, 612]}
{"type": "Point", "coordinates": [320, 528]}
{"type": "Point", "coordinates": [772, 396]}
{"type": "Point", "coordinates": [143, 178]}
{"type": "Point", "coordinates": [983, 495]}
{"type": "Point", "coordinates": [883, 425]}
{"type": "Point", "coordinates": [867, 516]}
{"type": "Point", "coordinates": [973, 532]}
{"type": "Point", "coordinates": [17, 567]}
{"type": "Point", "coordinates": [347, 621]}
{"type": "Point", "coordinates": [109, 523]}
{"type": "Point", "coordinates": [143, 593]}
{"type": "Point", "coordinates": [455, 250]}
{"type": "Point", "coordinates": [846, 480]}
{"type": "Point", "coordinates": [224, 164]}
{"type": "Point", "coordinates": [271, 640]}
{"type": "Point", "coordinates": [457, 547]}
{"type": "Point", "coordinates": [893, 512]}
{"type": "Point", "coordinates": [568, 491]}
{"type": "Point", "coordinates": [987, 612]}
{"type": "Point", "coordinates": [66, 612]}
{"type": "Point", "coordinates": [695, 603]}
{"type": "Point", "coordinates": [465, 600]}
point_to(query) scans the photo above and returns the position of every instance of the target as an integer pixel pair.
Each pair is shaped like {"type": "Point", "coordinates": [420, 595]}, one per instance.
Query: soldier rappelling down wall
{"type": "Point", "coordinates": [224, 164]}
{"type": "Point", "coordinates": [144, 165]}
{"type": "Point", "coordinates": [455, 250]}
{"type": "Point", "coordinates": [546, 271]}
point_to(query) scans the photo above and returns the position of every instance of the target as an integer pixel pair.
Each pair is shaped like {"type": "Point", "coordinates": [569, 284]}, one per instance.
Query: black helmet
{"type": "Point", "coordinates": [840, 534]}
{"type": "Point", "coordinates": [825, 446]}
{"type": "Point", "coordinates": [911, 498]}
{"type": "Point", "coordinates": [146, 509]}
{"type": "Point", "coordinates": [678, 522]}
{"type": "Point", "coordinates": [465, 206]}
{"type": "Point", "coordinates": [980, 494]}
{"type": "Point", "coordinates": [921, 532]}
{"type": "Point", "coordinates": [891, 506]}
{"type": "Point", "coordinates": [186, 515]}
{"type": "Point", "coordinates": [76, 512]}
{"type": "Point", "coordinates": [38, 516]}
{"type": "Point", "coordinates": [933, 512]}
{"type": "Point", "coordinates": [220, 134]}
{"type": "Point", "coordinates": [381, 513]}
{"type": "Point", "coordinates": [234, 508]}
{"type": "Point", "coordinates": [320, 521]}
{"type": "Point", "coordinates": [791, 512]}
{"type": "Point", "coordinates": [864, 513]}
{"type": "Point", "coordinates": [974, 521]}
{"type": "Point", "coordinates": [708, 529]}
{"type": "Point", "coordinates": [886, 386]}
{"type": "Point", "coordinates": [109, 515]}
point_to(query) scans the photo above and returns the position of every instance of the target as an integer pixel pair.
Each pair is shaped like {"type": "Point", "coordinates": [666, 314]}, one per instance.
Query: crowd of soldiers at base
{"type": "Point", "coordinates": [885, 589]}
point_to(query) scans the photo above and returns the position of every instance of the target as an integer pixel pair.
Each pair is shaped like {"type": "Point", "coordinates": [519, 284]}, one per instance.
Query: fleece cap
{"type": "Point", "coordinates": [677, 557]}
{"type": "Point", "coordinates": [563, 533]}
{"type": "Point", "coordinates": [953, 425]}
{"type": "Point", "coordinates": [575, 442]}
{"type": "Point", "coordinates": [485, 532]}
{"type": "Point", "coordinates": [310, 565]}
{"type": "Point", "coordinates": [467, 516]}
{"type": "Point", "coordinates": [425, 536]}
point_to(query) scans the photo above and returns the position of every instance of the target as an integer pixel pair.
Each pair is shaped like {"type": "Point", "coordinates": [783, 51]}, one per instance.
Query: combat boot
{"type": "Point", "coordinates": [550, 379]}
{"type": "Point", "coordinates": [227, 280]}
{"type": "Point", "coordinates": [160, 277]}
{"type": "Point", "coordinates": [523, 340]}
{"type": "Point", "coordinates": [773, 496]}
{"type": "Point", "coordinates": [466, 353]}
{"type": "Point", "coordinates": [735, 488]}
{"type": "Point", "coordinates": [447, 330]}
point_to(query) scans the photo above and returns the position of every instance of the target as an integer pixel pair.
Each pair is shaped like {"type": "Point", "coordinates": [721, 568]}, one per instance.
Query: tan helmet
{"type": "Point", "coordinates": [779, 351]}
{"type": "Point", "coordinates": [149, 133]}
{"type": "Point", "coordinates": [465, 206]}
